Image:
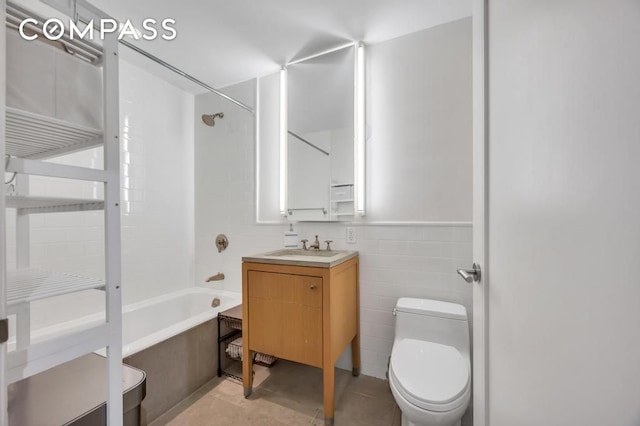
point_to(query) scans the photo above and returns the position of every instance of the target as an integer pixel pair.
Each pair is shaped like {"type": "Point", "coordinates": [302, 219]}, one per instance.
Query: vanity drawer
{"type": "Point", "coordinates": [296, 289]}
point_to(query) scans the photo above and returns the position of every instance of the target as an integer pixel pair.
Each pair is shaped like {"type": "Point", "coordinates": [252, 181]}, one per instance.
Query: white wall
{"type": "Point", "coordinates": [564, 209]}
{"type": "Point", "coordinates": [419, 126]}
{"type": "Point", "coordinates": [414, 261]}
{"type": "Point", "coordinates": [157, 196]}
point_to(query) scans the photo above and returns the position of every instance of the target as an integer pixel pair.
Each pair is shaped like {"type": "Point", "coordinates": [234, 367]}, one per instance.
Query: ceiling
{"type": "Point", "coordinates": [222, 42]}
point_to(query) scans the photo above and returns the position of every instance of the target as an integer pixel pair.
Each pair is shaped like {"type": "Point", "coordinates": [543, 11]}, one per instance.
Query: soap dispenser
{"type": "Point", "coordinates": [291, 238]}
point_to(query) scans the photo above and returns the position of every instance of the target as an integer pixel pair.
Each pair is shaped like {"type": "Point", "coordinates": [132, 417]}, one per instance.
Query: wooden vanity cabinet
{"type": "Point", "coordinates": [305, 314]}
{"type": "Point", "coordinates": [286, 316]}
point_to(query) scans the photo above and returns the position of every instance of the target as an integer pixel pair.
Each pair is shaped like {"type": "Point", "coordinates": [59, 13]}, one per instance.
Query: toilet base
{"type": "Point", "coordinates": [407, 422]}
{"type": "Point", "coordinates": [428, 418]}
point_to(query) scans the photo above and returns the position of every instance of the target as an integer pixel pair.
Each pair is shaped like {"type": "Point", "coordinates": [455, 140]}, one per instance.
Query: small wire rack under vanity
{"type": "Point", "coordinates": [234, 323]}
{"type": "Point", "coordinates": [233, 351]}
{"type": "Point", "coordinates": [230, 345]}
{"type": "Point", "coordinates": [233, 348]}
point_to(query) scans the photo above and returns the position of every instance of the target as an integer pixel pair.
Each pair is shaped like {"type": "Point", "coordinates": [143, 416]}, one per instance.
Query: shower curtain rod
{"type": "Point", "coordinates": [71, 9]}
{"type": "Point", "coordinates": [184, 74]}
{"type": "Point", "coordinates": [300, 138]}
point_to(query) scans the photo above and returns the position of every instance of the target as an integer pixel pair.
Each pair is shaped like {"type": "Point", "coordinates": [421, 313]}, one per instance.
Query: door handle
{"type": "Point", "coordinates": [471, 275]}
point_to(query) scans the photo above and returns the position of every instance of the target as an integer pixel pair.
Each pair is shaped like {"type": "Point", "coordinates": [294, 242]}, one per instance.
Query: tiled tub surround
{"type": "Point", "coordinates": [156, 192]}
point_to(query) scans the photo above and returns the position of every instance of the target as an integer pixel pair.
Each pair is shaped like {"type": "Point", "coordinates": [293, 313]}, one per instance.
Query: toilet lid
{"type": "Point", "coordinates": [427, 373]}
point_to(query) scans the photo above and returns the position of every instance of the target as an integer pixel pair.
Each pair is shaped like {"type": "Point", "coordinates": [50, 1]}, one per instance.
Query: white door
{"type": "Point", "coordinates": [562, 215]}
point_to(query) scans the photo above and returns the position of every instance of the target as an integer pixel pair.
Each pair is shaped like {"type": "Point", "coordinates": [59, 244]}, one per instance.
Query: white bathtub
{"type": "Point", "coordinates": [144, 323]}
{"type": "Point", "coordinates": [154, 320]}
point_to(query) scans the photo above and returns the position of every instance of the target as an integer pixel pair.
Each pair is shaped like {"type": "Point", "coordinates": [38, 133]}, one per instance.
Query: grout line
{"type": "Point", "coordinates": [315, 415]}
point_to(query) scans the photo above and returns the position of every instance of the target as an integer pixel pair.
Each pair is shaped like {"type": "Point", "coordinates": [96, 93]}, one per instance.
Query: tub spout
{"type": "Point", "coordinates": [217, 277]}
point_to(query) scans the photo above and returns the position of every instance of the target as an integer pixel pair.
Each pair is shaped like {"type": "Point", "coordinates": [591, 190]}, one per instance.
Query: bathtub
{"type": "Point", "coordinates": [144, 323]}
{"type": "Point", "coordinates": [152, 321]}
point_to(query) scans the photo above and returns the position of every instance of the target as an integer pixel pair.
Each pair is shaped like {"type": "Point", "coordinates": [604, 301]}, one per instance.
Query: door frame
{"type": "Point", "coordinates": [480, 212]}
{"type": "Point", "coordinates": [4, 413]}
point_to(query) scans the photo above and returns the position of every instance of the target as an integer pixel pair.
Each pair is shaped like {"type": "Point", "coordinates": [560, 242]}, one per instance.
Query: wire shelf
{"type": "Point", "coordinates": [35, 136]}
{"type": "Point", "coordinates": [234, 323]}
{"type": "Point", "coordinates": [32, 204]}
{"type": "Point", "coordinates": [28, 285]}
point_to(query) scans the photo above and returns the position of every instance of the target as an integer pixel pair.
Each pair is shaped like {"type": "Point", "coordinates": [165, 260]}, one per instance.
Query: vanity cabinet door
{"type": "Point", "coordinates": [285, 316]}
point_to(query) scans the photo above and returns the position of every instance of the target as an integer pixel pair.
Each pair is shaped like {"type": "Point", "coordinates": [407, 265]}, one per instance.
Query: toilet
{"type": "Point", "coordinates": [430, 367]}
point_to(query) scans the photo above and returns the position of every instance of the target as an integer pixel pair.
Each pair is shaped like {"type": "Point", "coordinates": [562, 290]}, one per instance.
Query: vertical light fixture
{"type": "Point", "coordinates": [283, 141]}
{"type": "Point", "coordinates": [359, 131]}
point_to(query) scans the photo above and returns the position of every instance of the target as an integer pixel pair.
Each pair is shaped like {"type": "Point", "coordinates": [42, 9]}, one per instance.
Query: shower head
{"type": "Point", "coordinates": [209, 119]}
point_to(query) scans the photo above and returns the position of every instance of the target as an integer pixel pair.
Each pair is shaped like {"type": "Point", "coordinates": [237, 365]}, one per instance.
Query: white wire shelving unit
{"type": "Point", "coordinates": [28, 138]}
{"type": "Point", "coordinates": [34, 136]}
{"type": "Point", "coordinates": [29, 285]}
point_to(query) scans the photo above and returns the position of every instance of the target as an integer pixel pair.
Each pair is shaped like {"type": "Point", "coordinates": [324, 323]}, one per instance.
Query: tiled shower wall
{"type": "Point", "coordinates": [157, 196]}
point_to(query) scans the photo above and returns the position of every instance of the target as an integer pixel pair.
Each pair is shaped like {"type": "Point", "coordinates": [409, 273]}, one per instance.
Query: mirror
{"type": "Point", "coordinates": [320, 137]}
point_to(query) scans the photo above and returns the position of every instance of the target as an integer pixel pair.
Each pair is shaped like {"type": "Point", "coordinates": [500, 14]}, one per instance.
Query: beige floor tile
{"type": "Point", "coordinates": [209, 410]}
{"type": "Point", "coordinates": [302, 382]}
{"type": "Point", "coordinates": [357, 409]}
{"type": "Point", "coordinates": [397, 417]}
{"type": "Point", "coordinates": [286, 394]}
{"type": "Point", "coordinates": [185, 404]}
{"type": "Point", "coordinates": [370, 386]}
{"type": "Point", "coordinates": [282, 407]}
{"type": "Point", "coordinates": [288, 409]}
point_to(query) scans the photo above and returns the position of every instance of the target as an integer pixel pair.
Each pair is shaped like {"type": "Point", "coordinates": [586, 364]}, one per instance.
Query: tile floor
{"type": "Point", "coordinates": [286, 394]}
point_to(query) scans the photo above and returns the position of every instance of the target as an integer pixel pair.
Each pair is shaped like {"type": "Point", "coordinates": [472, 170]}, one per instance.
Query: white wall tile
{"type": "Point", "coordinates": [157, 178]}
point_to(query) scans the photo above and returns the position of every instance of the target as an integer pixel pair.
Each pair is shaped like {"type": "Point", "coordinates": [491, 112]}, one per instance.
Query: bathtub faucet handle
{"type": "Point", "coordinates": [217, 277]}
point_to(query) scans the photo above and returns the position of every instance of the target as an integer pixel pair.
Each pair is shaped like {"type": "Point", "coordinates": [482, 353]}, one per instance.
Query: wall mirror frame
{"type": "Point", "coordinates": [322, 136]}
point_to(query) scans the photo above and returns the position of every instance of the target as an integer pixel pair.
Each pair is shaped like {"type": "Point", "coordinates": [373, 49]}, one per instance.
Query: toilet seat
{"type": "Point", "coordinates": [432, 376]}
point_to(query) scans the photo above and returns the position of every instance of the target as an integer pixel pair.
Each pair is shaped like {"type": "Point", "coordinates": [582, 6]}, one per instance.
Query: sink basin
{"type": "Point", "coordinates": [299, 257]}
{"type": "Point", "coordinates": [305, 253]}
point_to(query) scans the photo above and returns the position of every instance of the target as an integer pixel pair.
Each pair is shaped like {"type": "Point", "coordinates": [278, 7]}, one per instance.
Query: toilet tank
{"type": "Point", "coordinates": [432, 321]}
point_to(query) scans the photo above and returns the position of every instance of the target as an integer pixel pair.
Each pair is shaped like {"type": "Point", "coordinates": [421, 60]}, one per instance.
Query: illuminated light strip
{"type": "Point", "coordinates": [360, 131]}
{"type": "Point", "coordinates": [283, 141]}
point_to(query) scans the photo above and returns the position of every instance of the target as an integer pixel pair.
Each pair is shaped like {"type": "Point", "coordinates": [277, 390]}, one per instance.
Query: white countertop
{"type": "Point", "coordinates": [298, 257]}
